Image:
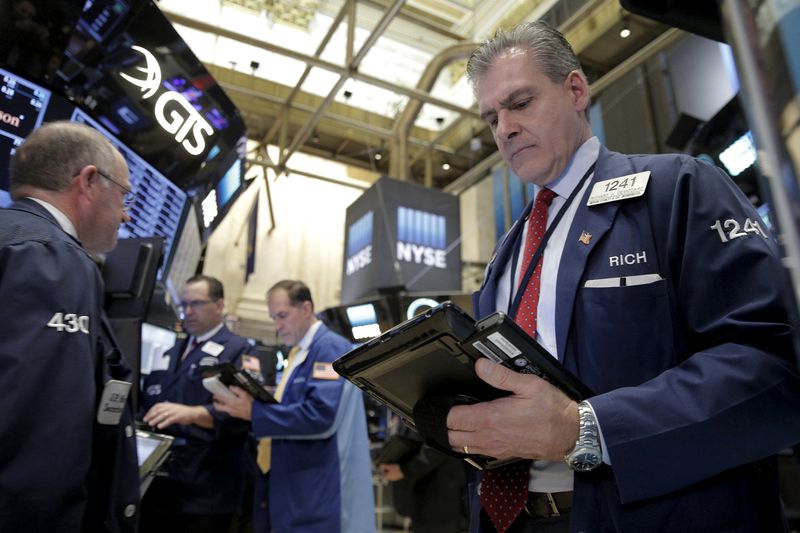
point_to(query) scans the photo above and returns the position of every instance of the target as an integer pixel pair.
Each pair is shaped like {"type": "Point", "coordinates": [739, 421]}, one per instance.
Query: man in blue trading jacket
{"type": "Point", "coordinates": [206, 469]}
{"type": "Point", "coordinates": [661, 290]}
{"type": "Point", "coordinates": [318, 476]}
{"type": "Point", "coordinates": [68, 453]}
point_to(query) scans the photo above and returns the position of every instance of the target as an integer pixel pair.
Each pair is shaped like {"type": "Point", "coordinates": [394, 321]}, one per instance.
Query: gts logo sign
{"type": "Point", "coordinates": [173, 112]}
{"type": "Point", "coordinates": [359, 244]}
{"type": "Point", "coordinates": [421, 237]}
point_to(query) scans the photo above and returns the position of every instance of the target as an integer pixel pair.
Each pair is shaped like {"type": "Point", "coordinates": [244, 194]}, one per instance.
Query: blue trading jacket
{"type": "Point", "coordinates": [60, 470]}
{"type": "Point", "coordinates": [206, 467]}
{"type": "Point", "coordinates": [320, 481]}
{"type": "Point", "coordinates": [695, 373]}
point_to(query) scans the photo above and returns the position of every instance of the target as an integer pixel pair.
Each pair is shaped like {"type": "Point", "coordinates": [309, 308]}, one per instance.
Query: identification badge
{"type": "Point", "coordinates": [620, 188]}
{"type": "Point", "coordinates": [212, 348]}
{"type": "Point", "coordinates": [112, 402]}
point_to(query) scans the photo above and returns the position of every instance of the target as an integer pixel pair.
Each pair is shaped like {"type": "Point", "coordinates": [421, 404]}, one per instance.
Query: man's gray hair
{"type": "Point", "coordinates": [546, 46]}
{"type": "Point", "coordinates": [56, 152]}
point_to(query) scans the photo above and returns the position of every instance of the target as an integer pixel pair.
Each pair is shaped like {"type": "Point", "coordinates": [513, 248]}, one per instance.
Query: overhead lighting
{"type": "Point", "coordinates": [445, 166]}
{"type": "Point", "coordinates": [625, 32]}
{"type": "Point", "coordinates": [378, 156]}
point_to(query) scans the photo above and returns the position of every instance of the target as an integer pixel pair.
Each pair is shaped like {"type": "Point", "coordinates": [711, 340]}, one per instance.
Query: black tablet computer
{"type": "Point", "coordinates": [435, 352]}
{"type": "Point", "coordinates": [152, 450]}
{"type": "Point", "coordinates": [217, 377]}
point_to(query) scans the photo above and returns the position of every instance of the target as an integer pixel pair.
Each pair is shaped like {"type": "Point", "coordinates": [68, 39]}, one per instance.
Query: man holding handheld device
{"type": "Point", "coordinates": [682, 332]}
{"type": "Point", "coordinates": [313, 448]}
{"type": "Point", "coordinates": [206, 469]}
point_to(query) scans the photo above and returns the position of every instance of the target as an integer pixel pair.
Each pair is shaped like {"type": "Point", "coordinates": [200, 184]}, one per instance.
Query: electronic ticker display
{"type": "Point", "coordinates": [22, 108]}
{"type": "Point", "coordinates": [159, 203]}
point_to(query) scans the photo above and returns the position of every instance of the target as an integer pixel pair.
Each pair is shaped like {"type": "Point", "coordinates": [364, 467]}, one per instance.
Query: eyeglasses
{"type": "Point", "coordinates": [128, 197]}
{"type": "Point", "coordinates": [195, 304]}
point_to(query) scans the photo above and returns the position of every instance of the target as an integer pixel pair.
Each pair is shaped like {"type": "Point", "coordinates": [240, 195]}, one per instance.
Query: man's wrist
{"type": "Point", "coordinates": [587, 453]}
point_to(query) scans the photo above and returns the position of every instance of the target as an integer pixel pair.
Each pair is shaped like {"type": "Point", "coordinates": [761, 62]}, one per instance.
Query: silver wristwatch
{"type": "Point", "coordinates": [586, 455]}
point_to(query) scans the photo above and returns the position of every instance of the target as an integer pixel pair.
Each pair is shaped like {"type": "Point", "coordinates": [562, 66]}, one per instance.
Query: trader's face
{"type": "Point", "coordinates": [106, 213]}
{"type": "Point", "coordinates": [537, 124]}
{"type": "Point", "coordinates": [200, 313]}
{"type": "Point", "coordinates": [291, 321]}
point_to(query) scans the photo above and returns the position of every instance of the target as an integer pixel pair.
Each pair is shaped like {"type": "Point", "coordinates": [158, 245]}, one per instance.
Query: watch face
{"type": "Point", "coordinates": [585, 459]}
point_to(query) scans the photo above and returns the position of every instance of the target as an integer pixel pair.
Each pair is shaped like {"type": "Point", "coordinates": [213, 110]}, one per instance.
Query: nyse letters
{"type": "Point", "coordinates": [359, 260]}
{"type": "Point", "coordinates": [414, 253]}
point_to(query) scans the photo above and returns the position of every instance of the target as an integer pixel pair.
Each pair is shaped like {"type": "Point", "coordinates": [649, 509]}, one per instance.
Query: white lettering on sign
{"type": "Point", "coordinates": [359, 260]}
{"type": "Point", "coordinates": [173, 111]}
{"type": "Point", "coordinates": [180, 123]}
{"type": "Point", "coordinates": [414, 253]}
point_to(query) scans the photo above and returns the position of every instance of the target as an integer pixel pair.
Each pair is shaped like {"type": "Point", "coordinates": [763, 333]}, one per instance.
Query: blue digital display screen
{"type": "Point", "coordinates": [159, 203]}
{"type": "Point", "coordinates": [229, 183]}
{"type": "Point", "coordinates": [22, 108]}
{"type": "Point", "coordinates": [361, 315]}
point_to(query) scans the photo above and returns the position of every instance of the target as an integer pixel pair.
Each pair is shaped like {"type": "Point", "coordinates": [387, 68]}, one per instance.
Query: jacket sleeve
{"type": "Point", "coordinates": [312, 414]}
{"type": "Point", "coordinates": [732, 394]}
{"type": "Point", "coordinates": [48, 356]}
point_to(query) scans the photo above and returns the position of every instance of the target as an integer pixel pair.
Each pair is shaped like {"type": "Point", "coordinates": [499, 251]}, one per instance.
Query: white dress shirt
{"type": "Point", "coordinates": [551, 476]}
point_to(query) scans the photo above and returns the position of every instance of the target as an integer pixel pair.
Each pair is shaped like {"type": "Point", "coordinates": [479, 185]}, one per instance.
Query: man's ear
{"type": "Point", "coordinates": [308, 309]}
{"type": "Point", "coordinates": [85, 180]}
{"type": "Point", "coordinates": [578, 87]}
{"type": "Point", "coordinates": [84, 185]}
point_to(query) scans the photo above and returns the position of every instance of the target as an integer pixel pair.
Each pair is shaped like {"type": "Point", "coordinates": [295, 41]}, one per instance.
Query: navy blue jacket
{"type": "Point", "coordinates": [59, 469]}
{"type": "Point", "coordinates": [206, 468]}
{"type": "Point", "coordinates": [695, 374]}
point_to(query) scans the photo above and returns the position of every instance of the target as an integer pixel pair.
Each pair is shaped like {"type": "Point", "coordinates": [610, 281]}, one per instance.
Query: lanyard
{"type": "Point", "coordinates": [512, 310]}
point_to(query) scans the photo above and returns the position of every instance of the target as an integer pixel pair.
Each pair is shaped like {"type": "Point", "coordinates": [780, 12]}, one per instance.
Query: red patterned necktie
{"type": "Point", "coordinates": [504, 490]}
{"type": "Point", "coordinates": [537, 225]}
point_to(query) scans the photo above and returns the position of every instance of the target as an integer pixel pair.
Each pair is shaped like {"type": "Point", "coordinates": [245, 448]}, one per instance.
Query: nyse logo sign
{"type": "Point", "coordinates": [359, 244]}
{"type": "Point", "coordinates": [421, 237]}
{"type": "Point", "coordinates": [173, 111]}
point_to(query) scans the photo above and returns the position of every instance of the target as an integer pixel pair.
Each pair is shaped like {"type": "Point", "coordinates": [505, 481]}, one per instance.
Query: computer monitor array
{"type": "Point", "coordinates": [155, 341]}
{"type": "Point", "coordinates": [22, 109]}
{"type": "Point", "coordinates": [24, 106]}
{"type": "Point", "coordinates": [159, 203]}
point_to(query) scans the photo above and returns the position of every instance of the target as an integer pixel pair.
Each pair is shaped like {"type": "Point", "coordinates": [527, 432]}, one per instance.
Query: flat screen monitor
{"type": "Point", "coordinates": [155, 341]}
{"type": "Point", "coordinates": [130, 68]}
{"type": "Point", "coordinates": [183, 264]}
{"type": "Point", "coordinates": [765, 212]}
{"type": "Point", "coordinates": [363, 321]}
{"type": "Point", "coordinates": [229, 185]}
{"type": "Point", "coordinates": [159, 203]}
{"type": "Point", "coordinates": [22, 109]}
{"type": "Point", "coordinates": [152, 450]}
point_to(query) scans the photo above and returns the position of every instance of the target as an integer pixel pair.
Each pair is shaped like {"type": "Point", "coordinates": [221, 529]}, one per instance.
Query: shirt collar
{"type": "Point", "coordinates": [60, 217]}
{"type": "Point", "coordinates": [584, 157]}
{"type": "Point", "coordinates": [305, 342]}
{"type": "Point", "coordinates": [210, 333]}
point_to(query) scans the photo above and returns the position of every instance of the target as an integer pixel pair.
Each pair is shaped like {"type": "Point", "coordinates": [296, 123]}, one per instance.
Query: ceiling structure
{"type": "Point", "coordinates": [379, 84]}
